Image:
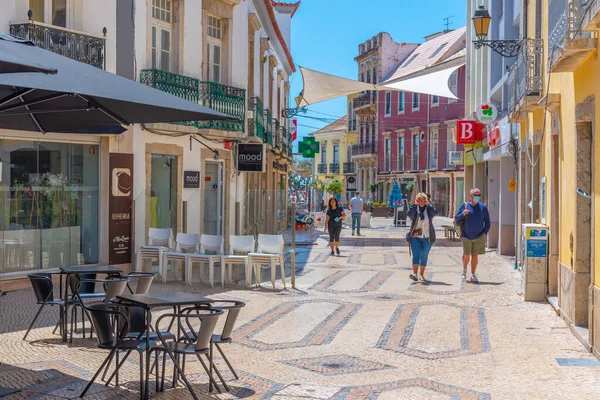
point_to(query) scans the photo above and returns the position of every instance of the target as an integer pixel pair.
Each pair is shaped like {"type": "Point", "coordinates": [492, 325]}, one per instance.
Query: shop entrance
{"type": "Point", "coordinates": [213, 199]}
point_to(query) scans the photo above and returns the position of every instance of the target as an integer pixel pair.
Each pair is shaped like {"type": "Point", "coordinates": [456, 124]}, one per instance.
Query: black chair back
{"type": "Point", "coordinates": [84, 287]}
{"type": "Point", "coordinates": [232, 315]}
{"type": "Point", "coordinates": [137, 318]}
{"type": "Point", "coordinates": [42, 287]}
{"type": "Point", "coordinates": [209, 320]}
{"type": "Point", "coordinates": [102, 315]}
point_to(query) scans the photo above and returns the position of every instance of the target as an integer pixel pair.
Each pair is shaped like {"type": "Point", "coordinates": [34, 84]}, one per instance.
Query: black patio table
{"type": "Point", "coordinates": [76, 270]}
{"type": "Point", "coordinates": [157, 300]}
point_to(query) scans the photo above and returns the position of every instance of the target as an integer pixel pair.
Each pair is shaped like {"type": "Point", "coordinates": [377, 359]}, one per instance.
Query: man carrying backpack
{"type": "Point", "coordinates": [475, 220]}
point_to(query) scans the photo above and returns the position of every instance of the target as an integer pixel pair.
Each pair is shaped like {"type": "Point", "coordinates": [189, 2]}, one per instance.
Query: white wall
{"type": "Point", "coordinates": [285, 26]}
{"type": "Point", "coordinates": [239, 46]}
{"type": "Point", "coordinates": [97, 14]}
{"type": "Point", "coordinates": [192, 40]}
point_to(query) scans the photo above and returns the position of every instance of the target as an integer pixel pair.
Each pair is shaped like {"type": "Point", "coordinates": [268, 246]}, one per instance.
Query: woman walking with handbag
{"type": "Point", "coordinates": [421, 235]}
{"type": "Point", "coordinates": [334, 222]}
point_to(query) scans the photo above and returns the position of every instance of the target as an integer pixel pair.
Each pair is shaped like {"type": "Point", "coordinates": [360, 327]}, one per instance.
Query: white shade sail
{"type": "Point", "coordinates": [319, 86]}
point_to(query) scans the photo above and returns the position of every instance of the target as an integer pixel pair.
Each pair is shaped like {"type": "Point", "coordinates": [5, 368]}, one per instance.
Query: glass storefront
{"type": "Point", "coordinates": [163, 192]}
{"type": "Point", "coordinates": [440, 194]}
{"type": "Point", "coordinates": [49, 205]}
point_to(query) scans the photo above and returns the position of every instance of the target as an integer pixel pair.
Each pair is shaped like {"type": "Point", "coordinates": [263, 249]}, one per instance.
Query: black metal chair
{"type": "Point", "coordinates": [233, 311]}
{"type": "Point", "coordinates": [43, 288]}
{"type": "Point", "coordinates": [86, 290]}
{"type": "Point", "coordinates": [144, 281]}
{"type": "Point", "coordinates": [113, 287]}
{"type": "Point", "coordinates": [111, 327]}
{"type": "Point", "coordinates": [201, 346]}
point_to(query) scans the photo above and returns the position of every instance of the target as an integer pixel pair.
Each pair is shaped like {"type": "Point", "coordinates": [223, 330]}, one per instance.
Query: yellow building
{"type": "Point", "coordinates": [334, 160]}
{"type": "Point", "coordinates": [554, 83]}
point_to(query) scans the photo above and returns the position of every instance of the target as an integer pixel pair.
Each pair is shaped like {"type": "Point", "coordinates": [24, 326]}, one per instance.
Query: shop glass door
{"type": "Point", "coordinates": [163, 192]}
{"type": "Point", "coordinates": [213, 199]}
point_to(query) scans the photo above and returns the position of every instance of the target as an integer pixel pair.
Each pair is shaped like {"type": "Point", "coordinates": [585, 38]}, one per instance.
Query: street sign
{"type": "Point", "coordinates": [308, 147]}
{"type": "Point", "coordinates": [455, 157]}
{"type": "Point", "coordinates": [512, 185]}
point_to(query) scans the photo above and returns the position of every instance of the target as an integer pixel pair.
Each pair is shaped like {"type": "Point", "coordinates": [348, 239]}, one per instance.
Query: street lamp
{"type": "Point", "coordinates": [481, 22]}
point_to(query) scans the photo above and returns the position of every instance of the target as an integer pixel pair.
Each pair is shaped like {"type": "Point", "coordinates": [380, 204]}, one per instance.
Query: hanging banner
{"type": "Point", "coordinates": [294, 129]}
{"type": "Point", "coordinates": [119, 208]}
{"type": "Point", "coordinates": [493, 135]}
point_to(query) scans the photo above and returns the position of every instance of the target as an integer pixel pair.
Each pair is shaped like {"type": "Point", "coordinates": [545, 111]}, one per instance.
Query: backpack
{"type": "Point", "coordinates": [458, 224]}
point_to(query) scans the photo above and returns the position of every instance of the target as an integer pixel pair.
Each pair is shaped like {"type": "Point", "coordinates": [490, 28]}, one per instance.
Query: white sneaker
{"type": "Point", "coordinates": [422, 278]}
{"type": "Point", "coordinates": [463, 275]}
{"type": "Point", "coordinates": [474, 278]}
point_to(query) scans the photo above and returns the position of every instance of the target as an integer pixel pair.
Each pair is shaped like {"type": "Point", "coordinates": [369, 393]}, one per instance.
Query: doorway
{"type": "Point", "coordinates": [163, 192]}
{"type": "Point", "coordinates": [213, 199]}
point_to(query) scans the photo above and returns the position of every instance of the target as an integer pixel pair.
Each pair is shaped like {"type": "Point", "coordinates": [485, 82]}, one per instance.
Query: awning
{"type": "Point", "coordinates": [80, 97]}
{"type": "Point", "coordinates": [15, 58]}
{"type": "Point", "coordinates": [319, 86]}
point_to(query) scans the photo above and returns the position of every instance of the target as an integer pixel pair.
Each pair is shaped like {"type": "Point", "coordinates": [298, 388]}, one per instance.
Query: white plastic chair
{"type": "Point", "coordinates": [159, 241]}
{"type": "Point", "coordinates": [269, 252]}
{"type": "Point", "coordinates": [238, 244]}
{"type": "Point", "coordinates": [212, 243]}
{"type": "Point", "coordinates": [186, 243]}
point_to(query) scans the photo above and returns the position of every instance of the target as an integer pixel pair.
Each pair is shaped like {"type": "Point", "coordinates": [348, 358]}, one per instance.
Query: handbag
{"type": "Point", "coordinates": [458, 224]}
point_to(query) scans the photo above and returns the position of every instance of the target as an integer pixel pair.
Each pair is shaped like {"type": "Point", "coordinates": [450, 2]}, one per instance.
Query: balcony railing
{"type": "Point", "coordinates": [433, 161]}
{"type": "Point", "coordinates": [387, 163]}
{"type": "Point", "coordinates": [334, 168]}
{"type": "Point", "coordinates": [268, 124]}
{"type": "Point", "coordinates": [256, 123]}
{"type": "Point", "coordinates": [525, 77]}
{"type": "Point", "coordinates": [364, 149]}
{"type": "Point", "coordinates": [366, 98]}
{"type": "Point", "coordinates": [226, 99]}
{"type": "Point", "coordinates": [285, 147]}
{"type": "Point", "coordinates": [78, 46]}
{"type": "Point", "coordinates": [276, 133]}
{"type": "Point", "coordinates": [322, 168]}
{"type": "Point", "coordinates": [564, 18]}
{"type": "Point", "coordinates": [348, 168]}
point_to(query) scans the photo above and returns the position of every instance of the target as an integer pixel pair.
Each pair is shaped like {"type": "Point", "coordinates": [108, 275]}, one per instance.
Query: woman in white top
{"type": "Point", "coordinates": [421, 235]}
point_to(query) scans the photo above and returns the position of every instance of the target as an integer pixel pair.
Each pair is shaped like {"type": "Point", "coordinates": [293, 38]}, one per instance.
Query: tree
{"type": "Point", "coordinates": [335, 187]}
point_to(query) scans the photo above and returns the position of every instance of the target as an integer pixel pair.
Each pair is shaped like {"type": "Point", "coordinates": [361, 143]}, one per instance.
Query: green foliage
{"type": "Point", "coordinates": [335, 187]}
{"type": "Point", "coordinates": [376, 204]}
{"type": "Point", "coordinates": [384, 204]}
{"type": "Point", "coordinates": [372, 187]}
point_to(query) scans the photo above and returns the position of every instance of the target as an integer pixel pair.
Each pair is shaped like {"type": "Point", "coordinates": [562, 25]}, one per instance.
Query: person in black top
{"type": "Point", "coordinates": [334, 221]}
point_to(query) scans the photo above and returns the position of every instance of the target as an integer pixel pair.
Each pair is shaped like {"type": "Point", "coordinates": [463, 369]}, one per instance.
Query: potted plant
{"type": "Point", "coordinates": [380, 210]}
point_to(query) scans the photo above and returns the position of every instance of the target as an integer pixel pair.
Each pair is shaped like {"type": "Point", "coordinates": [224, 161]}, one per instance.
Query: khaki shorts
{"type": "Point", "coordinates": [475, 246]}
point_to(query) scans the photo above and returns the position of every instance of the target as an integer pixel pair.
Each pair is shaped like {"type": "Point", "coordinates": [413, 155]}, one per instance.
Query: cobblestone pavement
{"type": "Point", "coordinates": [356, 328]}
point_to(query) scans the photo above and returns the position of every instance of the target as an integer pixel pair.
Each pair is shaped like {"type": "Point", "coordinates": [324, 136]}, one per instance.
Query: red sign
{"type": "Point", "coordinates": [469, 132]}
{"type": "Point", "coordinates": [294, 129]}
{"type": "Point", "coordinates": [493, 135]}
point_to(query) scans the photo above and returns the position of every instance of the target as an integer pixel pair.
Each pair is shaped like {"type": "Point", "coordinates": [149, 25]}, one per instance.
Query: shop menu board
{"type": "Point", "coordinates": [119, 208]}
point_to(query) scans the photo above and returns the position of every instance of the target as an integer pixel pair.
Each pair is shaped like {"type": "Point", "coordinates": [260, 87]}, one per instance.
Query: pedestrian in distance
{"type": "Point", "coordinates": [334, 220]}
{"type": "Point", "coordinates": [421, 236]}
{"type": "Point", "coordinates": [475, 220]}
{"type": "Point", "coordinates": [357, 208]}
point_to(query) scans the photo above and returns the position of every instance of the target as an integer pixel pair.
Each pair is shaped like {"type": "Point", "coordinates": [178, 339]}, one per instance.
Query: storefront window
{"type": "Point", "coordinates": [49, 205]}
{"type": "Point", "coordinates": [440, 194]}
{"type": "Point", "coordinates": [163, 192]}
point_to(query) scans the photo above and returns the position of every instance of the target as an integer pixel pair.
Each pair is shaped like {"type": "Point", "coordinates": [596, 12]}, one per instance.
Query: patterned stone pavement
{"type": "Point", "coordinates": [356, 327]}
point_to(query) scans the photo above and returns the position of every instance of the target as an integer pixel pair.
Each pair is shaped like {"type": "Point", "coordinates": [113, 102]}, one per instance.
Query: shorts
{"type": "Point", "coordinates": [334, 232]}
{"type": "Point", "coordinates": [475, 246]}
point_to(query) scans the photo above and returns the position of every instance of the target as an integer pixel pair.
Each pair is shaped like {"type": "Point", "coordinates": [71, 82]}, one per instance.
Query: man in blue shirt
{"type": "Point", "coordinates": [475, 227]}
{"type": "Point", "coordinates": [357, 208]}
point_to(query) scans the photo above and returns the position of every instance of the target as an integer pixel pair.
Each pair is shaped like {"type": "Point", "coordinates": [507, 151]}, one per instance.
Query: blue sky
{"type": "Point", "coordinates": [326, 34]}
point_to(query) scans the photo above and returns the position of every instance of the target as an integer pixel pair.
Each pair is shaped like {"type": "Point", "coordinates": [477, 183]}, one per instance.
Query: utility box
{"type": "Point", "coordinates": [534, 261]}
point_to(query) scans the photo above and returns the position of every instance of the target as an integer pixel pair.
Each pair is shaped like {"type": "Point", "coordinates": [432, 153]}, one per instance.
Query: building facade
{"type": "Point", "coordinates": [239, 63]}
{"type": "Point", "coordinates": [377, 58]}
{"type": "Point", "coordinates": [417, 132]}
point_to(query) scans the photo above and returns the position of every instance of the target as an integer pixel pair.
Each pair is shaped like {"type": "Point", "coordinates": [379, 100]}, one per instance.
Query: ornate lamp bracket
{"type": "Point", "coordinates": [506, 48]}
{"type": "Point", "coordinates": [292, 112]}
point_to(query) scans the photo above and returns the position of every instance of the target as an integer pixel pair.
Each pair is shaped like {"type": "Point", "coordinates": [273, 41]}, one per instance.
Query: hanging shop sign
{"type": "Point", "coordinates": [493, 135]}
{"type": "Point", "coordinates": [280, 167]}
{"type": "Point", "coordinates": [486, 113]}
{"type": "Point", "coordinates": [294, 129]}
{"type": "Point", "coordinates": [191, 179]}
{"type": "Point", "coordinates": [119, 208]}
{"type": "Point", "coordinates": [455, 157]}
{"type": "Point", "coordinates": [469, 132]}
{"type": "Point", "coordinates": [512, 185]}
{"type": "Point", "coordinates": [251, 157]}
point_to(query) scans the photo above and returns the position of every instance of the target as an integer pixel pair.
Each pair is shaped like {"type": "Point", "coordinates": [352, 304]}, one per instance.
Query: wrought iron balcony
{"type": "Point", "coordinates": [364, 149]}
{"type": "Point", "coordinates": [348, 168]}
{"type": "Point", "coordinates": [284, 140]}
{"type": "Point", "coordinates": [256, 123]}
{"type": "Point", "coordinates": [276, 133]}
{"type": "Point", "coordinates": [433, 161]}
{"type": "Point", "coordinates": [226, 99]}
{"type": "Point", "coordinates": [568, 47]}
{"type": "Point", "coordinates": [525, 79]}
{"type": "Point", "coordinates": [366, 98]}
{"type": "Point", "coordinates": [268, 124]}
{"type": "Point", "coordinates": [78, 46]}
{"type": "Point", "coordinates": [334, 168]}
{"type": "Point", "coordinates": [322, 168]}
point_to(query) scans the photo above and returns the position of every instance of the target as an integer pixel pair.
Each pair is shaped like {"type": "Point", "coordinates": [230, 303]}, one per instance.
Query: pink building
{"type": "Point", "coordinates": [416, 133]}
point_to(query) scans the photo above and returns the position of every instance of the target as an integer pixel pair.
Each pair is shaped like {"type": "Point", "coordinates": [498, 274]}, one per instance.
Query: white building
{"type": "Point", "coordinates": [229, 55]}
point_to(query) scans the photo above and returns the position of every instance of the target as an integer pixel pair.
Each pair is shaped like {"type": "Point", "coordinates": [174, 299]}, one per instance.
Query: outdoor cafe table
{"type": "Point", "coordinates": [150, 301]}
{"type": "Point", "coordinates": [77, 270]}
